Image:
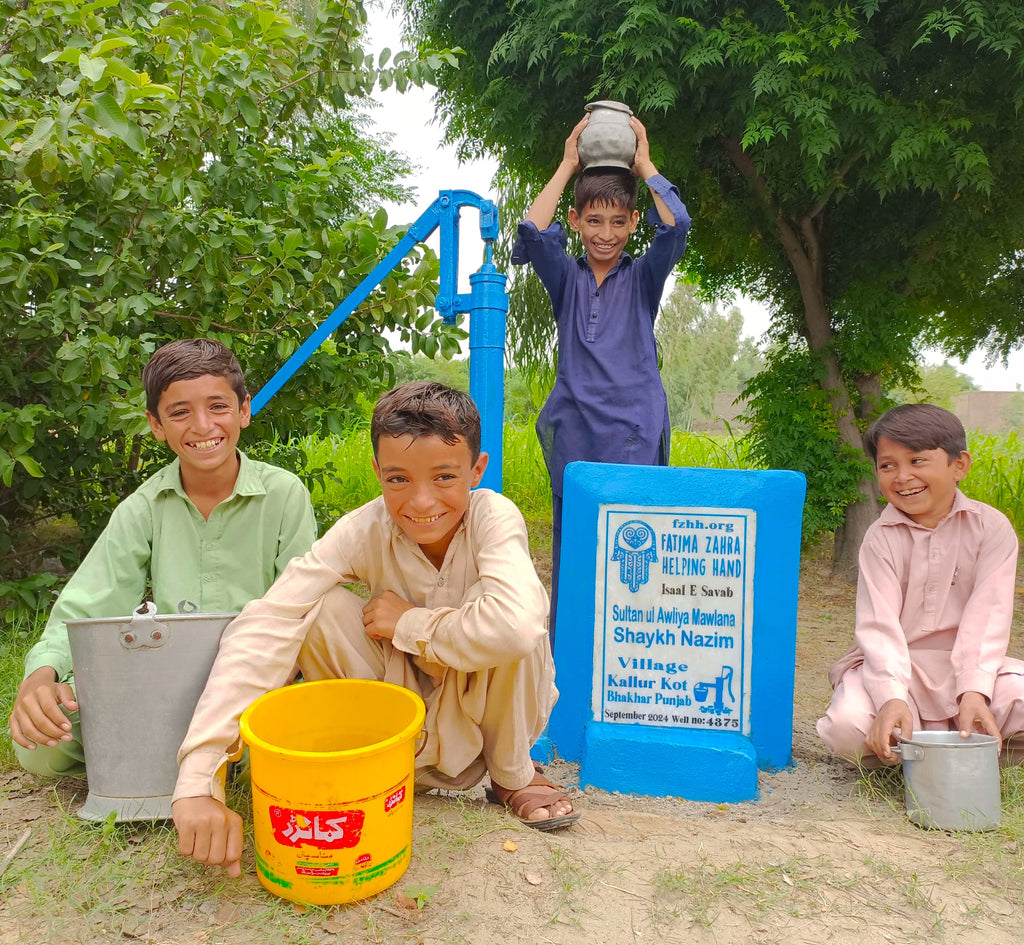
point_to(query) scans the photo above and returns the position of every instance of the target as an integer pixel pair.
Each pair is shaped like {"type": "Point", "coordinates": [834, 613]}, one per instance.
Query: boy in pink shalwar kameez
{"type": "Point", "coordinates": [934, 601]}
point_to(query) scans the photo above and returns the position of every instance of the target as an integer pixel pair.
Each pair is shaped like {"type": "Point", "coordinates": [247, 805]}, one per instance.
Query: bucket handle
{"type": "Point", "coordinates": [909, 752]}
{"type": "Point", "coordinates": [144, 630]}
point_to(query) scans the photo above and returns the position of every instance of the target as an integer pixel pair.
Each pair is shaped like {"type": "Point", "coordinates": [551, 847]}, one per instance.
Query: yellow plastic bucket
{"type": "Point", "coordinates": [332, 766]}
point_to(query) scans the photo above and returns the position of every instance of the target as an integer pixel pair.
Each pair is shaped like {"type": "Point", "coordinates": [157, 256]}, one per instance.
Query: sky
{"type": "Point", "coordinates": [409, 119]}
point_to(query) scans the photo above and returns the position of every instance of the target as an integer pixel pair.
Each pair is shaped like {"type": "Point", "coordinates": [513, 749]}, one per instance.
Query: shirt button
{"type": "Point", "coordinates": [593, 314]}
{"type": "Point", "coordinates": [440, 582]}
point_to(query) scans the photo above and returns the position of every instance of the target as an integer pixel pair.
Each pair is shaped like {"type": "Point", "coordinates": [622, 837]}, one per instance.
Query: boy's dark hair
{"type": "Point", "coordinates": [188, 359]}
{"type": "Point", "coordinates": [605, 188]}
{"type": "Point", "coordinates": [918, 427]}
{"type": "Point", "coordinates": [426, 408]}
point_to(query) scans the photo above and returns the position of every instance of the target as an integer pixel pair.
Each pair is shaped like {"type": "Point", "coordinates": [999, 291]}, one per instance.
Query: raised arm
{"type": "Point", "coordinates": [643, 167]}
{"type": "Point", "coordinates": [542, 212]}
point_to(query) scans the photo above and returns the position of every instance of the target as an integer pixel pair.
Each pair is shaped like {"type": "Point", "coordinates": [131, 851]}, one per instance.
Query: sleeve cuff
{"type": "Point", "coordinates": [411, 634]}
{"type": "Point", "coordinates": [57, 662]}
{"type": "Point", "coordinates": [881, 693]}
{"type": "Point", "coordinates": [669, 193]}
{"type": "Point", "coordinates": [201, 774]}
{"type": "Point", "coordinates": [976, 681]}
{"type": "Point", "coordinates": [528, 233]}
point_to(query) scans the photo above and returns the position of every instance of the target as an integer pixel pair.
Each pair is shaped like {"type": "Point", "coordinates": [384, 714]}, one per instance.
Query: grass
{"type": "Point", "coordinates": [14, 645]}
{"type": "Point", "coordinates": [348, 481]}
{"type": "Point", "coordinates": [110, 874]}
{"type": "Point", "coordinates": [573, 882]}
{"type": "Point", "coordinates": [1002, 848]}
{"type": "Point", "coordinates": [706, 889]}
{"type": "Point", "coordinates": [997, 474]}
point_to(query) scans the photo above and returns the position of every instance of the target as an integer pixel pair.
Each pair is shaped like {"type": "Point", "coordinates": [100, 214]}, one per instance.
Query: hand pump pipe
{"type": "Point", "coordinates": [486, 303]}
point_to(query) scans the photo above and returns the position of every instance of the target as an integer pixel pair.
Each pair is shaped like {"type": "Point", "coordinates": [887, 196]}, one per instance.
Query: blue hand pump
{"type": "Point", "coordinates": [487, 305]}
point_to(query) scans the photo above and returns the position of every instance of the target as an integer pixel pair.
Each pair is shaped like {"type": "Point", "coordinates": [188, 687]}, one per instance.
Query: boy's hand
{"type": "Point", "coordinates": [643, 167]}
{"type": "Point", "coordinates": [37, 717]}
{"type": "Point", "coordinates": [975, 715]}
{"type": "Point", "coordinates": [880, 738]}
{"type": "Point", "coordinates": [571, 154]}
{"type": "Point", "coordinates": [382, 613]}
{"type": "Point", "coordinates": [209, 832]}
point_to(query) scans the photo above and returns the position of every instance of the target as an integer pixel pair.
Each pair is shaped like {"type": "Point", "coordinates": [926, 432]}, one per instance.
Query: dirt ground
{"type": "Point", "coordinates": [823, 856]}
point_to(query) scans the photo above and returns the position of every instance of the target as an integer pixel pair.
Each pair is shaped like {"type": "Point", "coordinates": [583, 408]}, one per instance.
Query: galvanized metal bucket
{"type": "Point", "coordinates": [137, 680]}
{"type": "Point", "coordinates": [951, 782]}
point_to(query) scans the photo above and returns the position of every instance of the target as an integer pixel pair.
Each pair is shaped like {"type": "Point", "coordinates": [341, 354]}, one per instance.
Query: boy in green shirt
{"type": "Point", "coordinates": [213, 529]}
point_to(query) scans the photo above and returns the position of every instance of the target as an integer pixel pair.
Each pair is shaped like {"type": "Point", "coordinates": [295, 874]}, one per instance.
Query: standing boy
{"type": "Point", "coordinates": [456, 614]}
{"type": "Point", "coordinates": [608, 403]}
{"type": "Point", "coordinates": [213, 528]}
{"type": "Point", "coordinates": [934, 601]}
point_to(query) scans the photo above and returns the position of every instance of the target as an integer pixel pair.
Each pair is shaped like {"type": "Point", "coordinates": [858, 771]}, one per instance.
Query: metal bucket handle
{"type": "Point", "coordinates": [909, 752]}
{"type": "Point", "coordinates": [144, 630]}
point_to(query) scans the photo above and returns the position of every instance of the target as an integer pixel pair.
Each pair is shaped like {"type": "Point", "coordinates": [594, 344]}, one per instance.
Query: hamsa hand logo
{"type": "Point", "coordinates": [635, 548]}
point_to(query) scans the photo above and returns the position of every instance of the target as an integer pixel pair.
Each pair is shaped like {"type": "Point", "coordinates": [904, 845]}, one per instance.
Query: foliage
{"type": "Point", "coordinates": [526, 389]}
{"type": "Point", "coordinates": [349, 480]}
{"type": "Point", "coordinates": [997, 474]}
{"type": "Point", "coordinates": [853, 165]}
{"type": "Point", "coordinates": [699, 349]}
{"type": "Point", "coordinates": [180, 169]}
{"type": "Point", "coordinates": [938, 384]}
{"type": "Point", "coordinates": [454, 372]}
{"type": "Point", "coordinates": [791, 427]}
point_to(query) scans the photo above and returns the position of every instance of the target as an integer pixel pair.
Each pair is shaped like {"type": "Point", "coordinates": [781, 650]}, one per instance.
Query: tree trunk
{"type": "Point", "coordinates": [802, 242]}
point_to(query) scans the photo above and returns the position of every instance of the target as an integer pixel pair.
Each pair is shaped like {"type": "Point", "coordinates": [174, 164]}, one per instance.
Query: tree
{"type": "Point", "coordinates": [854, 165]}
{"type": "Point", "coordinates": [699, 347]}
{"type": "Point", "coordinates": [938, 384]}
{"type": "Point", "coordinates": [177, 169]}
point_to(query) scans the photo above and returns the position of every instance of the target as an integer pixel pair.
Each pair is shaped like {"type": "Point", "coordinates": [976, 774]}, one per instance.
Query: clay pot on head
{"type": "Point", "coordinates": [608, 140]}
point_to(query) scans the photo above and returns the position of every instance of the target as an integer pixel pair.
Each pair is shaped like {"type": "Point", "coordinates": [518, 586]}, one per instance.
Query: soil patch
{"type": "Point", "coordinates": [823, 856]}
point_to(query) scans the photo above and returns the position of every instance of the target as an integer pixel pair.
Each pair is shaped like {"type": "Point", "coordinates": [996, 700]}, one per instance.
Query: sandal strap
{"type": "Point", "coordinates": [540, 792]}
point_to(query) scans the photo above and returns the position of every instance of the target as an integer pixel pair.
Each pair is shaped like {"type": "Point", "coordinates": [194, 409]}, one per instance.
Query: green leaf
{"type": "Point", "coordinates": [92, 68]}
{"type": "Point", "coordinates": [250, 111]}
{"type": "Point", "coordinates": [30, 466]}
{"type": "Point", "coordinates": [111, 119]}
{"type": "Point", "coordinates": [40, 133]}
{"type": "Point", "coordinates": [110, 44]}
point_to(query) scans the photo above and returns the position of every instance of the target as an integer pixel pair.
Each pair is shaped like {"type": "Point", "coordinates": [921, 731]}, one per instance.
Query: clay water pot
{"type": "Point", "coordinates": [608, 140]}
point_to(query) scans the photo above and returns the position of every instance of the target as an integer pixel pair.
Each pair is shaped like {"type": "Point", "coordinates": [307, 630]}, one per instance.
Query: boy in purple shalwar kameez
{"type": "Point", "coordinates": [608, 403]}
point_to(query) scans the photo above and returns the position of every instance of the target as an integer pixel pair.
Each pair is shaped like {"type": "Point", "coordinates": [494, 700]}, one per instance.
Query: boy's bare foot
{"type": "Point", "coordinates": [540, 805]}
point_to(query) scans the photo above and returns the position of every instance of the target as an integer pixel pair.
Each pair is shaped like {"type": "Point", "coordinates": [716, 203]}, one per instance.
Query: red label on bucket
{"type": "Point", "coordinates": [317, 870]}
{"type": "Point", "coordinates": [325, 829]}
{"type": "Point", "coordinates": [393, 800]}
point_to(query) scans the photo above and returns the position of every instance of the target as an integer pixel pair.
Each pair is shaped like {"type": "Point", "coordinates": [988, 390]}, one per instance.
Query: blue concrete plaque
{"type": "Point", "coordinates": [676, 635]}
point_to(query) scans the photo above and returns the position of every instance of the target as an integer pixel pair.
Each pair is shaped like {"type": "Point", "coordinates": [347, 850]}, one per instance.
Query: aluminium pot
{"type": "Point", "coordinates": [951, 783]}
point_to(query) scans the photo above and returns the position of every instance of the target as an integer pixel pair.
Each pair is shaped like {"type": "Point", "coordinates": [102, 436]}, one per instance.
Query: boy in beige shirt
{"type": "Point", "coordinates": [456, 614]}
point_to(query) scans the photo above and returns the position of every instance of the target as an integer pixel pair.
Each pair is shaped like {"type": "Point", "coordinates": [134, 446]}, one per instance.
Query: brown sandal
{"type": "Point", "coordinates": [540, 792]}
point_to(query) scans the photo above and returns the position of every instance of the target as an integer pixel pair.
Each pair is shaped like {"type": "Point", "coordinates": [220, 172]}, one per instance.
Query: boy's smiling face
{"type": "Point", "coordinates": [426, 484]}
{"type": "Point", "coordinates": [605, 230]}
{"type": "Point", "coordinates": [920, 483]}
{"type": "Point", "coordinates": [201, 419]}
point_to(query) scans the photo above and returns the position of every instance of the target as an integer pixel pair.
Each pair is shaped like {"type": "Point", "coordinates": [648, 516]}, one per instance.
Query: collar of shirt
{"type": "Point", "coordinates": [893, 516]}
{"type": "Point", "coordinates": [624, 260]}
{"type": "Point", "coordinates": [247, 483]}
